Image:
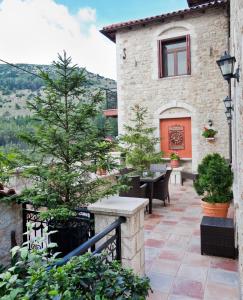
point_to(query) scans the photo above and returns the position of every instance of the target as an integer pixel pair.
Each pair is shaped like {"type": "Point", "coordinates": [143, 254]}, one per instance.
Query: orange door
{"type": "Point", "coordinates": [176, 137]}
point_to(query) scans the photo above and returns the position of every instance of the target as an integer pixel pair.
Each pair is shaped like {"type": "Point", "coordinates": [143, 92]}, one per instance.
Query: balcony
{"type": "Point", "coordinates": [111, 104]}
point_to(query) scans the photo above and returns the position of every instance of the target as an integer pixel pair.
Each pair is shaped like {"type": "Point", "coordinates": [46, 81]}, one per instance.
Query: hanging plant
{"type": "Point", "coordinates": [209, 133]}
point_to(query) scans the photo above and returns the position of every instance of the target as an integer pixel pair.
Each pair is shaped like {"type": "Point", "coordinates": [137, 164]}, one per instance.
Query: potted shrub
{"type": "Point", "coordinates": [138, 143]}
{"type": "Point", "coordinates": [62, 147]}
{"type": "Point", "coordinates": [214, 183]}
{"type": "Point", "coordinates": [209, 134]}
{"type": "Point", "coordinates": [174, 160]}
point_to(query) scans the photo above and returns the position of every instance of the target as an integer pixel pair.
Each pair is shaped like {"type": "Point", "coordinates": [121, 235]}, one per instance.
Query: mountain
{"type": "Point", "coordinates": [17, 86]}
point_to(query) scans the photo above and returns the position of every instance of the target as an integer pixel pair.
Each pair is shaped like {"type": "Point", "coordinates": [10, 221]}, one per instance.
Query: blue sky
{"type": "Point", "coordinates": [43, 28]}
{"type": "Point", "coordinates": [112, 11]}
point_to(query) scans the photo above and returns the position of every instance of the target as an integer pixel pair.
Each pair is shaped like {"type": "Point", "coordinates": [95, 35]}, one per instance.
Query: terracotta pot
{"type": "Point", "coordinates": [219, 210]}
{"type": "Point", "coordinates": [101, 172]}
{"type": "Point", "coordinates": [174, 163]}
{"type": "Point", "coordinates": [210, 140]}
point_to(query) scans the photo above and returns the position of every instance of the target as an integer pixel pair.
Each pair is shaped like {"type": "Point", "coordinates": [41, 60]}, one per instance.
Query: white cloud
{"type": "Point", "coordinates": [34, 31]}
{"type": "Point", "coordinates": [87, 14]}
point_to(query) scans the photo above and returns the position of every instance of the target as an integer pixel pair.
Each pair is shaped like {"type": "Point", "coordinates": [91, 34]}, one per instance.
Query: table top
{"type": "Point", "coordinates": [217, 222]}
{"type": "Point", "coordinates": [152, 177]}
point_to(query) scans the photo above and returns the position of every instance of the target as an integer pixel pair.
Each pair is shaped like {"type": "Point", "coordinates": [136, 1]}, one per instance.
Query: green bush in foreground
{"type": "Point", "coordinates": [84, 277]}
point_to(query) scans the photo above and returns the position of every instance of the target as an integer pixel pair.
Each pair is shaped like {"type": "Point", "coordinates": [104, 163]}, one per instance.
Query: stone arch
{"type": "Point", "coordinates": [173, 30]}
{"type": "Point", "coordinates": [175, 105]}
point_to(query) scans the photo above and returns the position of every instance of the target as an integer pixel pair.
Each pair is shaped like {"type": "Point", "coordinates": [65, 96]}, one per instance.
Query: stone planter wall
{"type": "Point", "coordinates": [10, 221]}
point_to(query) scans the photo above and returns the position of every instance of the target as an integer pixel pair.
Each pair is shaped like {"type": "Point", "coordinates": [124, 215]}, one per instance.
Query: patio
{"type": "Point", "coordinates": [172, 252]}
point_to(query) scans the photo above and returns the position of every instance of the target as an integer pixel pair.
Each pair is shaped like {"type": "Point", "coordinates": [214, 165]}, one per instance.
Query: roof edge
{"type": "Point", "coordinates": [110, 30]}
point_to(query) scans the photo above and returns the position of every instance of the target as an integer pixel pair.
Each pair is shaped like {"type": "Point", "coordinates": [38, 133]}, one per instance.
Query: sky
{"type": "Point", "coordinates": [34, 31]}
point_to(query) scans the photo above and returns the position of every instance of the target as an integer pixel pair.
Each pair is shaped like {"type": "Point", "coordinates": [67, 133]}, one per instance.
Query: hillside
{"type": "Point", "coordinates": [16, 87]}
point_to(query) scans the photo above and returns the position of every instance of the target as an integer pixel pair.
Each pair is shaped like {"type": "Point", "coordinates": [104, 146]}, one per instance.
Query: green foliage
{"type": "Point", "coordinates": [139, 141]}
{"type": "Point", "coordinates": [64, 142]}
{"type": "Point", "coordinates": [174, 156]}
{"type": "Point", "coordinates": [8, 161]}
{"type": "Point", "coordinates": [11, 128]}
{"type": "Point", "coordinates": [84, 277]}
{"type": "Point", "coordinates": [209, 132]}
{"type": "Point", "coordinates": [215, 179]}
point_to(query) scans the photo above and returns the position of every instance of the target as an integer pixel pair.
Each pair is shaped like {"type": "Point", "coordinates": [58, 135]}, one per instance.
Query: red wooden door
{"type": "Point", "coordinates": [176, 137]}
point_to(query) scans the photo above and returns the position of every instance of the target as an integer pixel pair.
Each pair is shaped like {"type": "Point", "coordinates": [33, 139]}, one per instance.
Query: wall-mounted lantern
{"type": "Point", "coordinates": [228, 103]}
{"type": "Point", "coordinates": [226, 64]}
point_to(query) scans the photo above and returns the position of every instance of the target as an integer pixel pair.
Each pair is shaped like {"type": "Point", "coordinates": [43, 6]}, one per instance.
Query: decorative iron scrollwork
{"type": "Point", "coordinates": [176, 137]}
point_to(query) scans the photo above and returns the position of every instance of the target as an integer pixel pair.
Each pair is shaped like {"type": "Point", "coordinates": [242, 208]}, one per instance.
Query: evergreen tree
{"type": "Point", "coordinates": [139, 141]}
{"type": "Point", "coordinates": [65, 142]}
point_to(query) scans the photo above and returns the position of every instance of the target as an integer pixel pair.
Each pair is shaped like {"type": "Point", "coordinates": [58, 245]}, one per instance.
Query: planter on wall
{"type": "Point", "coordinates": [210, 140]}
{"type": "Point", "coordinates": [219, 210]}
{"type": "Point", "coordinates": [174, 163]}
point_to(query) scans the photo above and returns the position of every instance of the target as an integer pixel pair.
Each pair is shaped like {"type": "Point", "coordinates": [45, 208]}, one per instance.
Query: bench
{"type": "Point", "coordinates": [188, 175]}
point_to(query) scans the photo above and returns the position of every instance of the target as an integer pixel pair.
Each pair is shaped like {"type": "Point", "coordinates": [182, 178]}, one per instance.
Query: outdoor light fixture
{"type": "Point", "coordinates": [228, 103]}
{"type": "Point", "coordinates": [228, 114]}
{"type": "Point", "coordinates": [226, 64]}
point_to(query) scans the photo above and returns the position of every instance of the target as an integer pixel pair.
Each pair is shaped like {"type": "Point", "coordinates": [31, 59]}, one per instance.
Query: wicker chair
{"type": "Point", "coordinates": [161, 188]}
{"type": "Point", "coordinates": [136, 190]}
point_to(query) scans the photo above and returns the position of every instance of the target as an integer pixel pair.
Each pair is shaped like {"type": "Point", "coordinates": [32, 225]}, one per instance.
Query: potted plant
{"type": "Point", "coordinates": [138, 143]}
{"type": "Point", "coordinates": [62, 147]}
{"type": "Point", "coordinates": [174, 160]}
{"type": "Point", "coordinates": [214, 183]}
{"type": "Point", "coordinates": [209, 134]}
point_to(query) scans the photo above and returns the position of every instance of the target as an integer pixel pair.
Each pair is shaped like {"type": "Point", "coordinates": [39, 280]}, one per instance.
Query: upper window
{"type": "Point", "coordinates": [174, 57]}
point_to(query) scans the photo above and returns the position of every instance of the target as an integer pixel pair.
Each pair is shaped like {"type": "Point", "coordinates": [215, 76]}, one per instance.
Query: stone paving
{"type": "Point", "coordinates": [174, 264]}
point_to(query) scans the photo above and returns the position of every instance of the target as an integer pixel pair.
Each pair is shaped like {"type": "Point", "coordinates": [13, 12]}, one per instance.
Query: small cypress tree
{"type": "Point", "coordinates": [139, 141]}
{"type": "Point", "coordinates": [65, 143]}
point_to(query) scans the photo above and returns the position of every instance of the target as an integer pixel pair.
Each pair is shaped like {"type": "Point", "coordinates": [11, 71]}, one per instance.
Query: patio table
{"type": "Point", "coordinates": [150, 180]}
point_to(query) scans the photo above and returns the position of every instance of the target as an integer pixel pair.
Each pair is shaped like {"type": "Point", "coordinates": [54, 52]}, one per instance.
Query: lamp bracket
{"type": "Point", "coordinates": [237, 74]}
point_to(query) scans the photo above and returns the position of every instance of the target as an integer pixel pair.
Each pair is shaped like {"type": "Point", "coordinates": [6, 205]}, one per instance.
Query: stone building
{"type": "Point", "coordinates": [236, 49]}
{"type": "Point", "coordinates": [167, 63]}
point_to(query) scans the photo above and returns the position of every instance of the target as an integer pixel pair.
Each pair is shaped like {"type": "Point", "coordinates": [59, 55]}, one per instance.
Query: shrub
{"type": "Point", "coordinates": [84, 277]}
{"type": "Point", "coordinates": [215, 179]}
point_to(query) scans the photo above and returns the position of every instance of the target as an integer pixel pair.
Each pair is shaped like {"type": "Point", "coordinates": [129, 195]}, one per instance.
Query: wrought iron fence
{"type": "Point", "coordinates": [111, 245]}
{"type": "Point", "coordinates": [32, 217]}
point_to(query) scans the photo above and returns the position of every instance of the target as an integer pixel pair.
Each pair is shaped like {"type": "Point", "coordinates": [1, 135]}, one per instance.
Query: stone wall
{"type": "Point", "coordinates": [199, 95]}
{"type": "Point", "coordinates": [10, 221]}
{"type": "Point", "coordinates": [237, 97]}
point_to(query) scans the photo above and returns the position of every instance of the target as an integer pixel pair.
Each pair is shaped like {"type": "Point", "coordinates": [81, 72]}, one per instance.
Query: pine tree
{"type": "Point", "coordinates": [139, 141]}
{"type": "Point", "coordinates": [65, 143]}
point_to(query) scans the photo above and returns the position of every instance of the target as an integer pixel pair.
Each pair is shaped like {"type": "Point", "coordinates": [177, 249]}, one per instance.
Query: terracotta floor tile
{"type": "Point", "coordinates": [169, 267]}
{"type": "Point", "coordinates": [156, 295]}
{"type": "Point", "coordinates": [228, 265]}
{"type": "Point", "coordinates": [223, 277]}
{"type": "Point", "coordinates": [171, 255]}
{"type": "Point", "coordinates": [161, 282]}
{"type": "Point", "coordinates": [193, 273]}
{"type": "Point", "coordinates": [188, 288]}
{"type": "Point", "coordinates": [195, 259]}
{"type": "Point", "coordinates": [216, 291]}
{"type": "Point", "coordinates": [154, 243]}
{"type": "Point", "coordinates": [177, 269]}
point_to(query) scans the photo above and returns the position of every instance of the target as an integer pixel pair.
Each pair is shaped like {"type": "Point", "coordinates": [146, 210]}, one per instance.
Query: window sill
{"type": "Point", "coordinates": [175, 77]}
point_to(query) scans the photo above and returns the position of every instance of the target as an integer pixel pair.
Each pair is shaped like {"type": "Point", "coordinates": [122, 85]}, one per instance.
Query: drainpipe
{"type": "Point", "coordinates": [229, 85]}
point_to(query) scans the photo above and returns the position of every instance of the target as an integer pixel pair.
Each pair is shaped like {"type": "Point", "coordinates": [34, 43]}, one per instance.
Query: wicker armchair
{"type": "Point", "coordinates": [161, 188]}
{"type": "Point", "coordinates": [136, 190]}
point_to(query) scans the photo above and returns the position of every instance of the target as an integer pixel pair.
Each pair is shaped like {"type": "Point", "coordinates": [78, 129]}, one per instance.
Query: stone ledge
{"type": "Point", "coordinates": [118, 206]}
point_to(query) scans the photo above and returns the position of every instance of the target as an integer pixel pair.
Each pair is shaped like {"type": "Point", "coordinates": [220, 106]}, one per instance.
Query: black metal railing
{"type": "Point", "coordinates": [111, 246]}
{"type": "Point", "coordinates": [111, 99]}
{"type": "Point", "coordinates": [32, 217]}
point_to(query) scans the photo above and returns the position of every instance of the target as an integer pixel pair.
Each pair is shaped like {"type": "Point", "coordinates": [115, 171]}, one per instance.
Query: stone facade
{"type": "Point", "coordinates": [237, 97]}
{"type": "Point", "coordinates": [132, 231]}
{"type": "Point", "coordinates": [198, 95]}
{"type": "Point", "coordinates": [10, 222]}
